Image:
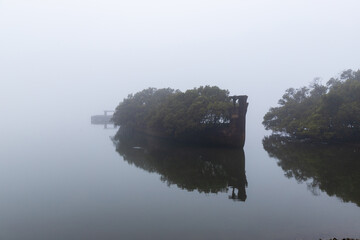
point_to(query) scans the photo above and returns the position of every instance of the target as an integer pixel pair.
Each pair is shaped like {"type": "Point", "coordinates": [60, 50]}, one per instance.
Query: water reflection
{"type": "Point", "coordinates": [329, 168]}
{"type": "Point", "coordinates": [203, 169]}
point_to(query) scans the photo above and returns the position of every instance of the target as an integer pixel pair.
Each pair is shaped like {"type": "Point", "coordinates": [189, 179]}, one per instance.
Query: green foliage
{"type": "Point", "coordinates": [175, 112]}
{"type": "Point", "coordinates": [325, 113]}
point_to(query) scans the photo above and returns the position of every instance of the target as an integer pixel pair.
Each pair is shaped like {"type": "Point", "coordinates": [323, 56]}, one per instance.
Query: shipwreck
{"type": "Point", "coordinates": [206, 116]}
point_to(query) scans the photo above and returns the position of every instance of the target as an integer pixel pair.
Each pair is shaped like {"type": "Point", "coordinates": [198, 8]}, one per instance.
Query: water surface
{"type": "Point", "coordinates": [73, 180]}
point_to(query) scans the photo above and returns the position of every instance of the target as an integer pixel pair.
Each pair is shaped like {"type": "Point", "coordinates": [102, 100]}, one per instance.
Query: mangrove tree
{"type": "Point", "coordinates": [320, 112]}
{"type": "Point", "coordinates": [173, 112]}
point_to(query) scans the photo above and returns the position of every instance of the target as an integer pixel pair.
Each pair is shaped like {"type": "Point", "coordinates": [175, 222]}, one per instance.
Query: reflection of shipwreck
{"type": "Point", "coordinates": [208, 170]}
{"type": "Point", "coordinates": [105, 119]}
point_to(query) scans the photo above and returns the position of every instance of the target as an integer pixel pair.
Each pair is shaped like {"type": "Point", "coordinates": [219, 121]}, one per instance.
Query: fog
{"type": "Point", "coordinates": [62, 61]}
{"type": "Point", "coordinates": [63, 58]}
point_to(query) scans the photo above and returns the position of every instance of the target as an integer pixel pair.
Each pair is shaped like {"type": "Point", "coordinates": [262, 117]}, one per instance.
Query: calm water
{"type": "Point", "coordinates": [73, 180]}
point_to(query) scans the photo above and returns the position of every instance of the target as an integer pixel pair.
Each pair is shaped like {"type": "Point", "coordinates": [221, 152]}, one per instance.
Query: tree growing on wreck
{"type": "Point", "coordinates": [319, 112]}
{"type": "Point", "coordinates": [174, 112]}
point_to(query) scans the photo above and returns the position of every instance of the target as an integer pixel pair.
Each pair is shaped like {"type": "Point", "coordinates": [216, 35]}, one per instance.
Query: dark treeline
{"type": "Point", "coordinates": [174, 112]}
{"type": "Point", "coordinates": [334, 169]}
{"type": "Point", "coordinates": [328, 112]}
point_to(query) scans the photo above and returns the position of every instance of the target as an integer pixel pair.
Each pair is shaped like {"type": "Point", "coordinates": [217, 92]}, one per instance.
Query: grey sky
{"type": "Point", "coordinates": [82, 56]}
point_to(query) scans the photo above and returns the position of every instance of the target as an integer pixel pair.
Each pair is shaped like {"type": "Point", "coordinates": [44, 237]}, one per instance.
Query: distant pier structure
{"type": "Point", "coordinates": [103, 119]}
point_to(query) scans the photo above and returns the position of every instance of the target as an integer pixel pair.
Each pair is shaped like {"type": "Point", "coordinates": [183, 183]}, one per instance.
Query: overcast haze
{"type": "Point", "coordinates": [62, 61]}
{"type": "Point", "coordinates": [81, 57]}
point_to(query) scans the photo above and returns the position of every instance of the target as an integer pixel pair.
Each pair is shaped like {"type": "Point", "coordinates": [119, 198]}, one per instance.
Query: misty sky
{"type": "Point", "coordinates": [75, 56]}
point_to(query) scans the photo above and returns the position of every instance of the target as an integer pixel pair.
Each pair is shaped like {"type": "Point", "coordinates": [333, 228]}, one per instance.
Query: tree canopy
{"type": "Point", "coordinates": [328, 112]}
{"type": "Point", "coordinates": [174, 112]}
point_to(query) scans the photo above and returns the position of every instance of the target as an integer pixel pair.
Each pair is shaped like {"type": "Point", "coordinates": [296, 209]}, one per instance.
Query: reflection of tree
{"type": "Point", "coordinates": [333, 169]}
{"type": "Point", "coordinates": [202, 169]}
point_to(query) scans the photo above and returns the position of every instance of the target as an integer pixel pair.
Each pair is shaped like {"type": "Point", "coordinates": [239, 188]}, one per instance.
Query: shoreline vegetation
{"type": "Point", "coordinates": [320, 113]}
{"type": "Point", "coordinates": [202, 116]}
